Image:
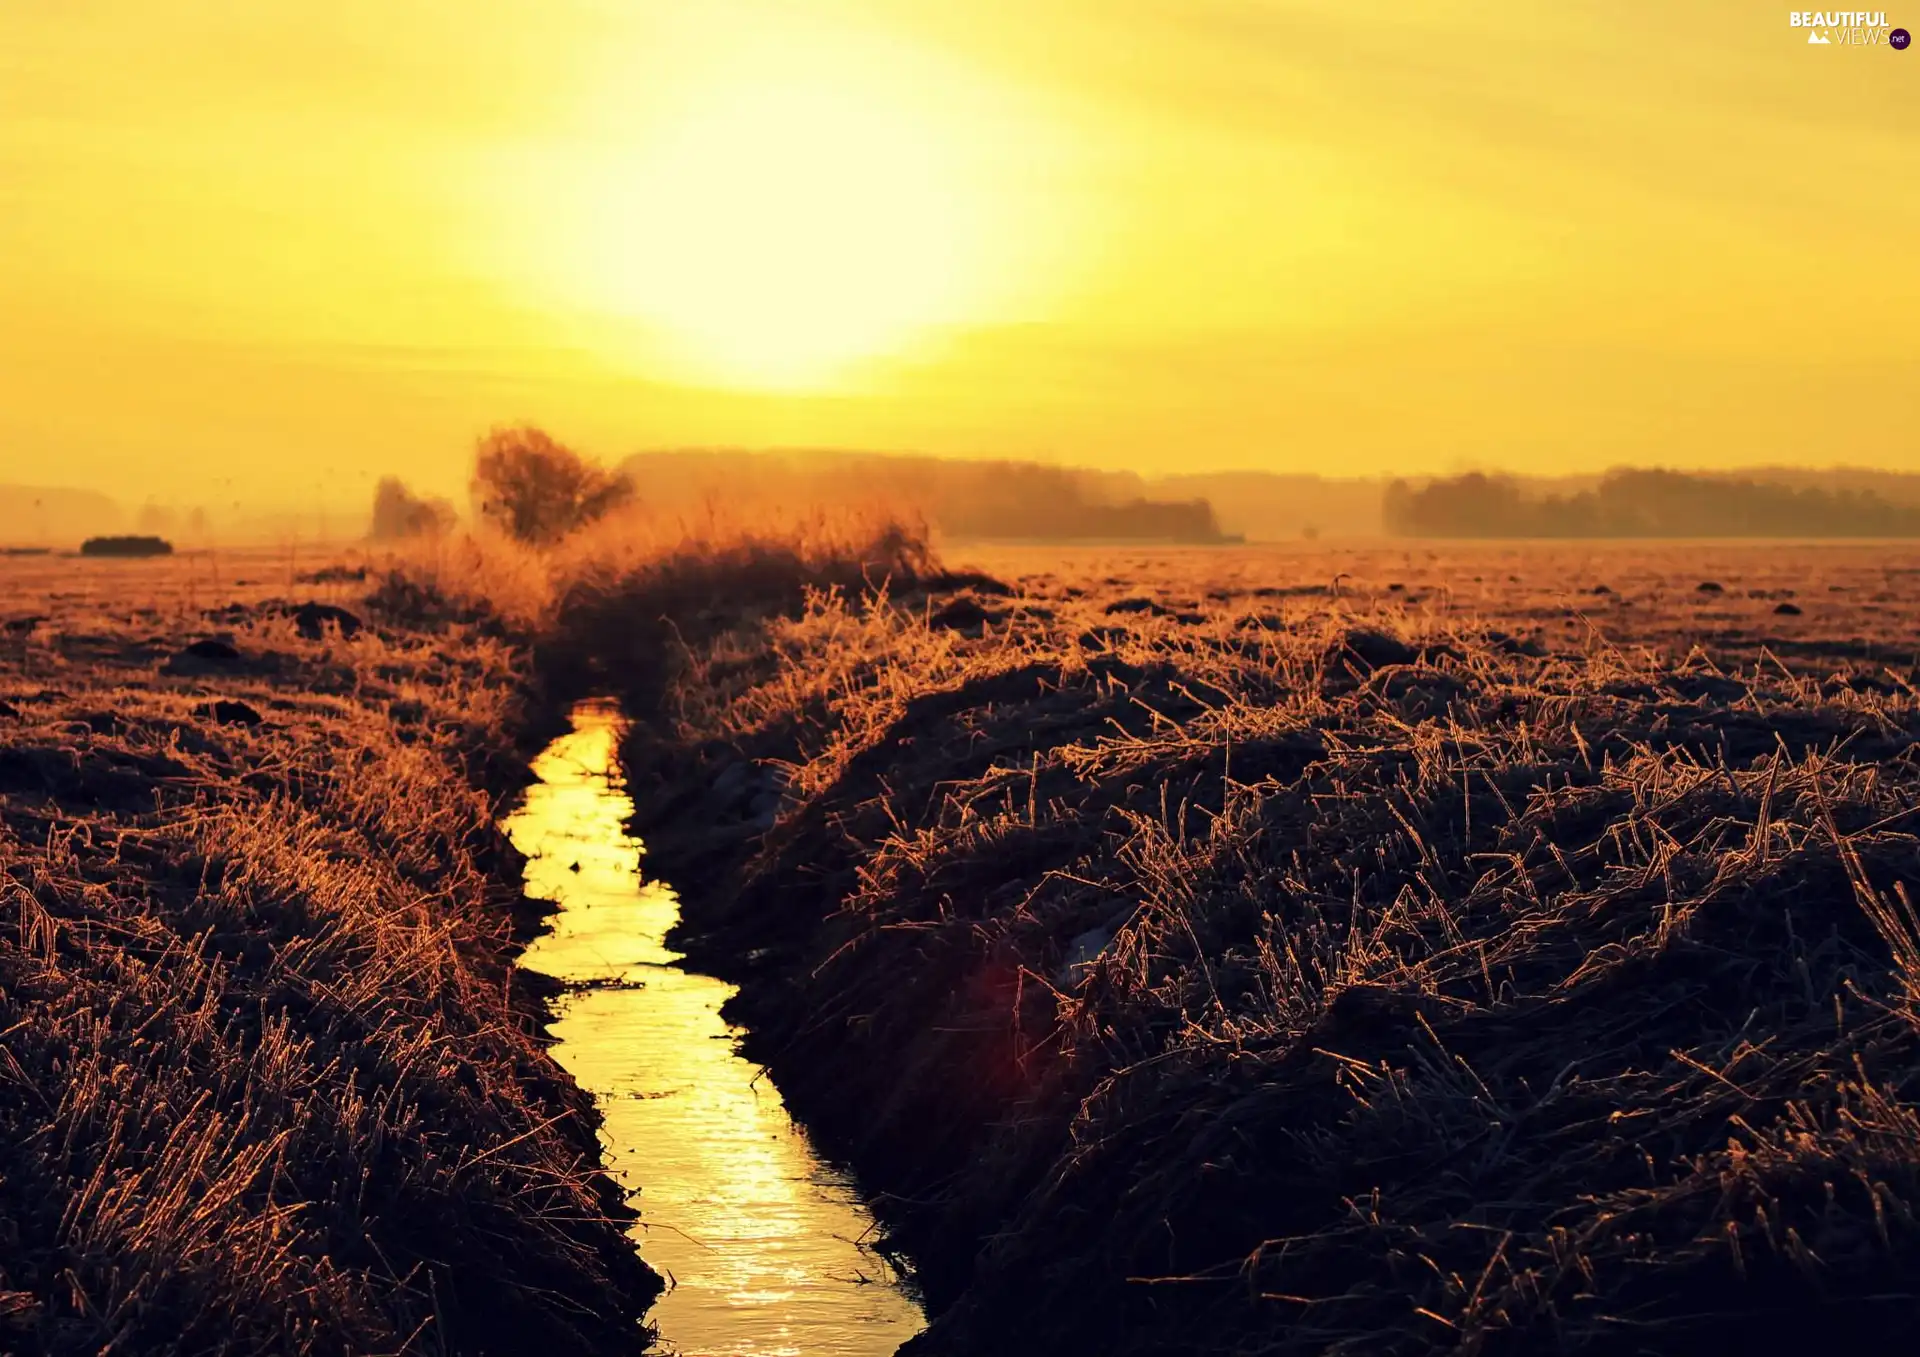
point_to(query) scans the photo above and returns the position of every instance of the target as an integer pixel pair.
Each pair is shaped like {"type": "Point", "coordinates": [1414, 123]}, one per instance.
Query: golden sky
{"type": "Point", "coordinates": [273, 248]}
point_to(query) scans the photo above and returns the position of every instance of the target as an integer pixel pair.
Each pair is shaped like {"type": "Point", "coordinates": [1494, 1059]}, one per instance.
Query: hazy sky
{"type": "Point", "coordinates": [273, 248]}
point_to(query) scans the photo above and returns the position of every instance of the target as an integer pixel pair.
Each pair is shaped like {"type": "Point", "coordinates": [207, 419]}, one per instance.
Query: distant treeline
{"type": "Point", "coordinates": [962, 498]}
{"type": "Point", "coordinates": [1035, 501]}
{"type": "Point", "coordinates": [1642, 504]}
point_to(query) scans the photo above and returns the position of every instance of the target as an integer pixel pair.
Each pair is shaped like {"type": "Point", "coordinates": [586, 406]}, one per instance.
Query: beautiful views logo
{"type": "Point", "coordinates": [1848, 28]}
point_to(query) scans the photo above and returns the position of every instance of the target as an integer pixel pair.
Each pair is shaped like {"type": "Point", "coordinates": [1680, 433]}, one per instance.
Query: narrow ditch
{"type": "Point", "coordinates": [765, 1247]}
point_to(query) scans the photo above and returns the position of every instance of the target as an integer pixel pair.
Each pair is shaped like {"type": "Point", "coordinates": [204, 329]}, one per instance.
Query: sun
{"type": "Point", "coordinates": [772, 233]}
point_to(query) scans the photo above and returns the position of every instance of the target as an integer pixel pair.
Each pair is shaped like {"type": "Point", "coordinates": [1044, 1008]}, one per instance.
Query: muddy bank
{"type": "Point", "coordinates": [1222, 981]}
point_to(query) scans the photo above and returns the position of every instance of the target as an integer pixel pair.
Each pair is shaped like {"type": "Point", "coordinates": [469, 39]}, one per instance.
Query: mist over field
{"type": "Point", "coordinates": [966, 499]}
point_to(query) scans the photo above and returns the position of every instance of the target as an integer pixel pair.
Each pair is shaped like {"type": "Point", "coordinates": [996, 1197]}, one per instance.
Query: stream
{"type": "Point", "coordinates": [765, 1247]}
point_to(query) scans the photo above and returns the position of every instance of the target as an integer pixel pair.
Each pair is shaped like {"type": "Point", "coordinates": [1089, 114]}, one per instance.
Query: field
{"type": "Point", "coordinates": [1489, 949]}
{"type": "Point", "coordinates": [267, 1084]}
{"type": "Point", "coordinates": [1291, 950]}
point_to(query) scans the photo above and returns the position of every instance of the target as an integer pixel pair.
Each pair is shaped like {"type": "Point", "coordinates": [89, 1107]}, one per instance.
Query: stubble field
{"type": "Point", "coordinates": [1467, 949]}
{"type": "Point", "coordinates": [1476, 948]}
{"type": "Point", "coordinates": [266, 1084]}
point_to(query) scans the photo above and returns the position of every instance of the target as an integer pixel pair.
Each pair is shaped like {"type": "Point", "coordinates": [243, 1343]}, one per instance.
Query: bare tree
{"type": "Point", "coordinates": [538, 490]}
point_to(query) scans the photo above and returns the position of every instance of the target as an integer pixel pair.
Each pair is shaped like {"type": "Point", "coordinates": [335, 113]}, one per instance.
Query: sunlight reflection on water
{"type": "Point", "coordinates": [759, 1237]}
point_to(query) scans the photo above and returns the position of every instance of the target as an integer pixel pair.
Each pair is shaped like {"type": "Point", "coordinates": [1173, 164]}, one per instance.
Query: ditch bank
{"type": "Point", "coordinates": [270, 1081]}
{"type": "Point", "coordinates": [1215, 992]}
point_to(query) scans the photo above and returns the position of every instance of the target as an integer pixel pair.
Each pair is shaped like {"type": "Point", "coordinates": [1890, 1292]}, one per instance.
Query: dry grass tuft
{"type": "Point", "coordinates": [615, 608]}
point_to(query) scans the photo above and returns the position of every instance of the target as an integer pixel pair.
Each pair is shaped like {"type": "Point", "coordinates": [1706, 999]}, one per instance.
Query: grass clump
{"type": "Point", "coordinates": [618, 607]}
{"type": "Point", "coordinates": [626, 622]}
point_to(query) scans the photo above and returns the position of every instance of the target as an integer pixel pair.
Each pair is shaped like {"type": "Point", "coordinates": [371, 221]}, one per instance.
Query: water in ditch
{"type": "Point", "coordinates": [766, 1248]}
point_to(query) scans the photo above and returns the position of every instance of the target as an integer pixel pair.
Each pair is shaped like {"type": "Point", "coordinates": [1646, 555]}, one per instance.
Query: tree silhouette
{"type": "Point", "coordinates": [398, 512]}
{"type": "Point", "coordinates": [538, 490]}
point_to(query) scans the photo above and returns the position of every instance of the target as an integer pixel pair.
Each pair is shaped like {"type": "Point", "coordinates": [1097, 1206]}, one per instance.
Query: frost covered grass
{"type": "Point", "coordinates": [1266, 952]}
{"type": "Point", "coordinates": [266, 1083]}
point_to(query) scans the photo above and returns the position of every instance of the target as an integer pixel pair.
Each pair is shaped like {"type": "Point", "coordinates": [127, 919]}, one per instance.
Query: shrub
{"type": "Point", "coordinates": [399, 513]}
{"type": "Point", "coordinates": [537, 490]}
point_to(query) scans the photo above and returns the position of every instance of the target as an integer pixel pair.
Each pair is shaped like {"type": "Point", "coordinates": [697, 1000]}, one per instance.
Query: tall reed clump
{"type": "Point", "coordinates": [616, 606]}
{"type": "Point", "coordinates": [627, 613]}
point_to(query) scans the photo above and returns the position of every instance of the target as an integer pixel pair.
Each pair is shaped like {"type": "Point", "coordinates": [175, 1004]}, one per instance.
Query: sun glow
{"type": "Point", "coordinates": [775, 225]}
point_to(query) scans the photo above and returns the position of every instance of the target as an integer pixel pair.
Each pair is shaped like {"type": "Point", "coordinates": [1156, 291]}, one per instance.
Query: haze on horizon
{"type": "Point", "coordinates": [279, 250]}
